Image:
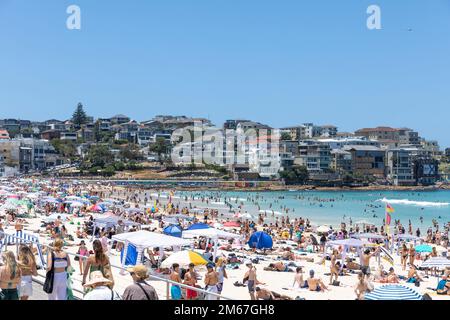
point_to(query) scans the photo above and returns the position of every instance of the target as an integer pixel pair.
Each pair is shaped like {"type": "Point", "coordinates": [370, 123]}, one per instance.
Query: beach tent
{"type": "Point", "coordinates": [347, 244]}
{"type": "Point", "coordinates": [184, 258]}
{"type": "Point", "coordinates": [210, 233]}
{"type": "Point", "coordinates": [393, 292]}
{"type": "Point", "coordinates": [142, 240]}
{"type": "Point", "coordinates": [110, 222]}
{"type": "Point", "coordinates": [173, 230]}
{"type": "Point", "coordinates": [367, 236]}
{"type": "Point", "coordinates": [260, 240]}
{"type": "Point", "coordinates": [197, 226]}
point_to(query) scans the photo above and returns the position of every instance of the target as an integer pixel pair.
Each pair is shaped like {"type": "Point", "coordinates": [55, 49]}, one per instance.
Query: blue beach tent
{"type": "Point", "coordinates": [196, 226]}
{"type": "Point", "coordinates": [260, 240]}
{"type": "Point", "coordinates": [173, 230]}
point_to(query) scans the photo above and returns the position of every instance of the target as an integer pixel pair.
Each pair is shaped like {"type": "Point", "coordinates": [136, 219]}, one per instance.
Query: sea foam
{"type": "Point", "coordinates": [414, 203]}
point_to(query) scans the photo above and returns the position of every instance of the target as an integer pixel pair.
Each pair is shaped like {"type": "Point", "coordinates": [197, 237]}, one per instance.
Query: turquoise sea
{"type": "Point", "coordinates": [333, 207]}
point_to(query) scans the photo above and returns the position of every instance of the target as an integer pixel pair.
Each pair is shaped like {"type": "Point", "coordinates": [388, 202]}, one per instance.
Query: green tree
{"type": "Point", "coordinates": [159, 147]}
{"type": "Point", "coordinates": [285, 136]}
{"type": "Point", "coordinates": [99, 156]}
{"type": "Point", "coordinates": [66, 149]}
{"type": "Point", "coordinates": [295, 175]}
{"type": "Point", "coordinates": [130, 152]}
{"type": "Point", "coordinates": [79, 117]}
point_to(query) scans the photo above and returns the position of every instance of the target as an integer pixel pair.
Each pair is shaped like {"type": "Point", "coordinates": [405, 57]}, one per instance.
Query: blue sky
{"type": "Point", "coordinates": [279, 62]}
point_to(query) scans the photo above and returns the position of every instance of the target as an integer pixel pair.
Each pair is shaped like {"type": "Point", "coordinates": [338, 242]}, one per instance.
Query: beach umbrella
{"type": "Point", "coordinates": [423, 248]}
{"type": "Point", "coordinates": [260, 240]}
{"type": "Point", "coordinates": [436, 262]}
{"type": "Point", "coordinates": [232, 224]}
{"type": "Point", "coordinates": [393, 292]}
{"type": "Point", "coordinates": [173, 230]}
{"type": "Point", "coordinates": [217, 225]}
{"type": "Point", "coordinates": [323, 229]}
{"type": "Point", "coordinates": [184, 258]}
{"type": "Point", "coordinates": [96, 208]}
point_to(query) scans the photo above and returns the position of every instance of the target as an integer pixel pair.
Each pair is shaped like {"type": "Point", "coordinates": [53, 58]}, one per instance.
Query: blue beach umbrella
{"type": "Point", "coordinates": [393, 292]}
{"type": "Point", "coordinates": [260, 240]}
{"type": "Point", "coordinates": [173, 230]}
{"type": "Point", "coordinates": [423, 248]}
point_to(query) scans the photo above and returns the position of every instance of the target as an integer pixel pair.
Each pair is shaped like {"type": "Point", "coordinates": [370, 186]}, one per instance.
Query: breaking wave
{"type": "Point", "coordinates": [407, 202]}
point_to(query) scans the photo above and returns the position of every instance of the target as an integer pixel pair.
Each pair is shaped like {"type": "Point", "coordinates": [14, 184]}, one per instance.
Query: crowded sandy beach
{"type": "Point", "coordinates": [95, 240]}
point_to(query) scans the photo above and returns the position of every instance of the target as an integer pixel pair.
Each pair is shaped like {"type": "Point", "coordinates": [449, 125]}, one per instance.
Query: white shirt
{"type": "Point", "coordinates": [101, 293]}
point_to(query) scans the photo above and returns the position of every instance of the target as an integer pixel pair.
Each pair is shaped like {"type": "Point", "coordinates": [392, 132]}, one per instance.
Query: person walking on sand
{"type": "Point", "coordinates": [251, 279]}
{"type": "Point", "coordinates": [365, 261]}
{"type": "Point", "coordinates": [211, 281]}
{"type": "Point", "coordinates": [28, 269]}
{"type": "Point", "coordinates": [99, 261]}
{"type": "Point", "coordinates": [61, 262]}
{"type": "Point", "coordinates": [334, 269]}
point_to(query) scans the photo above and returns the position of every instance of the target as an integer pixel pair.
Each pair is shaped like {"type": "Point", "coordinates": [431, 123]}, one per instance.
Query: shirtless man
{"type": "Point", "coordinates": [250, 275]}
{"type": "Point", "coordinates": [175, 290]}
{"type": "Point", "coordinates": [265, 294]}
{"type": "Point", "coordinates": [365, 261]}
{"type": "Point", "coordinates": [334, 269]}
{"type": "Point", "coordinates": [315, 284]}
{"type": "Point", "coordinates": [211, 281]}
{"type": "Point", "coordinates": [190, 278]}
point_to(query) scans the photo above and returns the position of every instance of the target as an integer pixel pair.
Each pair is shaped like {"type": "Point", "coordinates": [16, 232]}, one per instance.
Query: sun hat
{"type": "Point", "coordinates": [139, 270]}
{"type": "Point", "coordinates": [97, 277]}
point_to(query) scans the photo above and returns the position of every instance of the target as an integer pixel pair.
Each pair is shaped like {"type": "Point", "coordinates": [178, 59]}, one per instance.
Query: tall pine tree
{"type": "Point", "coordinates": [79, 117]}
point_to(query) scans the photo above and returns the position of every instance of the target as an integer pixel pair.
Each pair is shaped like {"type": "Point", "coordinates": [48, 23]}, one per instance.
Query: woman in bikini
{"type": "Point", "coordinates": [27, 266]}
{"type": "Point", "coordinates": [99, 261]}
{"type": "Point", "coordinates": [404, 256]}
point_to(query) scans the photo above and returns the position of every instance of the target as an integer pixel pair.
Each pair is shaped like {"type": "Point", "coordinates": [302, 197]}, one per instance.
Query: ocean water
{"type": "Point", "coordinates": [333, 207]}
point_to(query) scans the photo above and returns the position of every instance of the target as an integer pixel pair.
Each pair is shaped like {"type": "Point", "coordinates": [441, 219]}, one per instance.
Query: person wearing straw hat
{"type": "Point", "coordinates": [100, 289]}
{"type": "Point", "coordinates": [140, 289]}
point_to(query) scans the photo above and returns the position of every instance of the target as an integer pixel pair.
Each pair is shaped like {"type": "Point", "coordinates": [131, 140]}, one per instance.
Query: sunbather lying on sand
{"type": "Point", "coordinates": [264, 294]}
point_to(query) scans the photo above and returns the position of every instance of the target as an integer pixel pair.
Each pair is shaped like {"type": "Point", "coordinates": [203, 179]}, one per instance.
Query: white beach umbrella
{"type": "Point", "coordinates": [323, 229]}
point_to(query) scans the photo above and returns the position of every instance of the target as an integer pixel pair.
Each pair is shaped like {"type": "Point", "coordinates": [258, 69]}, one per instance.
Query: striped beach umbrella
{"type": "Point", "coordinates": [436, 262]}
{"type": "Point", "coordinates": [393, 292]}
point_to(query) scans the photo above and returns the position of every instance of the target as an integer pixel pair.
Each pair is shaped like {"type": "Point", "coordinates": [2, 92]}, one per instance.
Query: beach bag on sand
{"type": "Point", "coordinates": [49, 276]}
